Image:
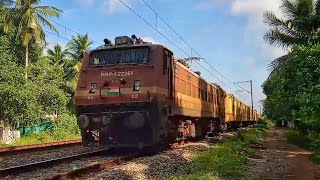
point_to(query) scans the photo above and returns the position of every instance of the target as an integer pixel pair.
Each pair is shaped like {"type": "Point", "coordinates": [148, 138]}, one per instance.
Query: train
{"type": "Point", "coordinates": [136, 94]}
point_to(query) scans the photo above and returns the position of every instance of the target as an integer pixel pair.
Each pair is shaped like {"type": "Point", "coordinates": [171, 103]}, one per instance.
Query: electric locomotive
{"type": "Point", "coordinates": [122, 93]}
{"type": "Point", "coordinates": [136, 94]}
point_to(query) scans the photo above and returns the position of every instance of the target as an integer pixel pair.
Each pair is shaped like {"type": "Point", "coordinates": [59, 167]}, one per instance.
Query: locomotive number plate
{"type": "Point", "coordinates": [117, 73]}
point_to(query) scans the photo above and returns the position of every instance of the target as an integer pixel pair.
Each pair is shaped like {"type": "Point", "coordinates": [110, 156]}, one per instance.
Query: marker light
{"type": "Point", "coordinates": [136, 85]}
{"type": "Point", "coordinates": [93, 88]}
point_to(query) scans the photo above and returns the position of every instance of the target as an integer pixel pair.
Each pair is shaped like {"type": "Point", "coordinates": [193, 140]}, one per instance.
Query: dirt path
{"type": "Point", "coordinates": [282, 161]}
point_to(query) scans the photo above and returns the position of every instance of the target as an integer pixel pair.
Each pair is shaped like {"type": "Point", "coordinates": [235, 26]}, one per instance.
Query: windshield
{"type": "Point", "coordinates": [113, 57]}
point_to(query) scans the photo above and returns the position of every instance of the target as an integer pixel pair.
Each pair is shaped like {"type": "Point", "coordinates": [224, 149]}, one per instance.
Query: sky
{"type": "Point", "coordinates": [227, 33]}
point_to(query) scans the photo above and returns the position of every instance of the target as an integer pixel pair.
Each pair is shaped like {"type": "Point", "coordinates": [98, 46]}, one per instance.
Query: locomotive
{"type": "Point", "coordinates": [137, 94]}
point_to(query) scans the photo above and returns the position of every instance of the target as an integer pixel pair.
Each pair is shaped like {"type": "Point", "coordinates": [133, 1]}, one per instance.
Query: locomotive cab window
{"type": "Point", "coordinates": [119, 56]}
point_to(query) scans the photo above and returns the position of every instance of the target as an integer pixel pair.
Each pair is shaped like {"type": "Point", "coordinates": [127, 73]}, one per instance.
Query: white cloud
{"type": "Point", "coordinates": [253, 10]}
{"type": "Point", "coordinates": [150, 39]}
{"type": "Point", "coordinates": [115, 6]}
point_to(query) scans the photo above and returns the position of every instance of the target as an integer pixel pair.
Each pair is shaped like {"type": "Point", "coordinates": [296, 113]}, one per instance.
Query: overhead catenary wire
{"type": "Point", "coordinates": [184, 52]}
{"type": "Point", "coordinates": [67, 28]}
{"type": "Point", "coordinates": [192, 49]}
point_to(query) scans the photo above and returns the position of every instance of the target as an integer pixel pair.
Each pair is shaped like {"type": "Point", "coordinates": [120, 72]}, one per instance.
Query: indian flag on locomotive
{"type": "Point", "coordinates": [113, 90]}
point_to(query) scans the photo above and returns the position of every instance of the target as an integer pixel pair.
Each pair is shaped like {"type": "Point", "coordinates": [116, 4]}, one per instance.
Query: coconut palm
{"type": "Point", "coordinates": [57, 56]}
{"type": "Point", "coordinates": [78, 46]}
{"type": "Point", "coordinates": [300, 25]}
{"type": "Point", "coordinates": [29, 17]}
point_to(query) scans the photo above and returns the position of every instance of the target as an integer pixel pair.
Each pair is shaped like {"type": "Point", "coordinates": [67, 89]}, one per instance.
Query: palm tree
{"type": "Point", "coordinates": [300, 25]}
{"type": "Point", "coordinates": [29, 17]}
{"type": "Point", "coordinates": [57, 56]}
{"type": "Point", "coordinates": [78, 46]}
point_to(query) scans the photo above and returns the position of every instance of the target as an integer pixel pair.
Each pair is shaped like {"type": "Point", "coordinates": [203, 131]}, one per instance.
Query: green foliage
{"type": "Point", "coordinates": [34, 139]}
{"type": "Point", "coordinates": [309, 141]}
{"type": "Point", "coordinates": [316, 156]}
{"type": "Point", "coordinates": [297, 138]}
{"type": "Point", "coordinates": [224, 160]}
{"type": "Point", "coordinates": [51, 79]}
{"type": "Point", "coordinates": [299, 25]}
{"type": "Point", "coordinates": [293, 92]}
{"type": "Point", "coordinates": [78, 46]}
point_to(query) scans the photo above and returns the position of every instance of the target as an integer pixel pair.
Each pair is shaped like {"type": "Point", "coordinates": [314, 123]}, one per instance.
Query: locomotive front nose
{"type": "Point", "coordinates": [83, 121]}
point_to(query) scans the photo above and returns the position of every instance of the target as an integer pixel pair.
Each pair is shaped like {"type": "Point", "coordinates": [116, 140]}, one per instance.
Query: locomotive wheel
{"type": "Point", "coordinates": [87, 139]}
{"type": "Point", "coordinates": [152, 150]}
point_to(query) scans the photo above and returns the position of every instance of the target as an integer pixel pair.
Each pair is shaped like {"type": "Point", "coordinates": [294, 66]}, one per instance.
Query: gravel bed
{"type": "Point", "coordinates": [266, 164]}
{"type": "Point", "coordinates": [161, 166]}
{"type": "Point", "coordinates": [16, 159]}
{"type": "Point", "coordinates": [65, 167]}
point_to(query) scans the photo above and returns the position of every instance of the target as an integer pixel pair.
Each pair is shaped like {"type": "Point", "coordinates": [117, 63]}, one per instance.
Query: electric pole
{"type": "Point", "coordinates": [250, 92]}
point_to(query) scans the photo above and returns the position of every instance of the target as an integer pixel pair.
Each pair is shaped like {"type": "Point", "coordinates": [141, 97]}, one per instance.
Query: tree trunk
{"type": "Point", "coordinates": [27, 60]}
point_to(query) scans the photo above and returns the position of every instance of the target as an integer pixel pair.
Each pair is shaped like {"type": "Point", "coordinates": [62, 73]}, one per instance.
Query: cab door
{"type": "Point", "coordinates": [170, 74]}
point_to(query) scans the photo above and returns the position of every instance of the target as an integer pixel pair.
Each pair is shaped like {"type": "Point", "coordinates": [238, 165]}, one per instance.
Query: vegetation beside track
{"type": "Point", "coordinates": [293, 86]}
{"type": "Point", "coordinates": [37, 81]}
{"type": "Point", "coordinates": [310, 141]}
{"type": "Point", "coordinates": [226, 160]}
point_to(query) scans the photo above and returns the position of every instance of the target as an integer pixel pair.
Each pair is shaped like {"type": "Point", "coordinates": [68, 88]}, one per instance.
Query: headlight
{"type": "Point", "coordinates": [93, 87]}
{"type": "Point", "coordinates": [83, 121]}
{"type": "Point", "coordinates": [136, 85]}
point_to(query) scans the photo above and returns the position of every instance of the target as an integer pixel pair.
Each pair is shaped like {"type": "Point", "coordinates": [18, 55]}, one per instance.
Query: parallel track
{"type": "Point", "coordinates": [48, 163]}
{"type": "Point", "coordinates": [43, 146]}
{"type": "Point", "coordinates": [94, 168]}
{"type": "Point", "coordinates": [91, 168]}
{"type": "Point", "coordinates": [108, 164]}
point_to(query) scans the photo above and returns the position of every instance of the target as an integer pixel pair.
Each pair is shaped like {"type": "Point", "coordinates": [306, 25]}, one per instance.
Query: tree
{"type": "Point", "coordinates": [300, 25]}
{"type": "Point", "coordinates": [293, 92]}
{"type": "Point", "coordinates": [29, 17]}
{"type": "Point", "coordinates": [57, 56]}
{"type": "Point", "coordinates": [78, 46]}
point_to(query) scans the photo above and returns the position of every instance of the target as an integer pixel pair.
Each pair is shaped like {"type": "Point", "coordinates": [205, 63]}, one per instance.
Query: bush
{"type": "Point", "coordinates": [314, 139]}
{"type": "Point", "coordinates": [34, 139]}
{"type": "Point", "coordinates": [225, 160]}
{"type": "Point", "coordinates": [316, 156]}
{"type": "Point", "coordinates": [297, 138]}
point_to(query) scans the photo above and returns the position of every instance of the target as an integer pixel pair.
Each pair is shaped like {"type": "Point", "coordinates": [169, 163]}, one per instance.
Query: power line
{"type": "Point", "coordinates": [184, 52]}
{"type": "Point", "coordinates": [192, 49]}
{"type": "Point", "coordinates": [56, 35]}
{"type": "Point", "coordinates": [67, 28]}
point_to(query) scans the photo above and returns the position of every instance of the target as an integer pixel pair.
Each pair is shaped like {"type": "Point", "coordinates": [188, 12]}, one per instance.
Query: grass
{"type": "Point", "coordinates": [297, 138]}
{"type": "Point", "coordinates": [42, 138]}
{"type": "Point", "coordinates": [225, 160]}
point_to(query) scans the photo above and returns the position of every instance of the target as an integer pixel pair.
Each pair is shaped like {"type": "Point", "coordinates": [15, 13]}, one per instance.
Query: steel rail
{"type": "Point", "coordinates": [41, 146]}
{"type": "Point", "coordinates": [47, 163]}
{"type": "Point", "coordinates": [94, 168]}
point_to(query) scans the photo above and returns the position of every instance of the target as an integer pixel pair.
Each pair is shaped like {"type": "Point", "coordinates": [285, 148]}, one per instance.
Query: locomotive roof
{"type": "Point", "coordinates": [103, 47]}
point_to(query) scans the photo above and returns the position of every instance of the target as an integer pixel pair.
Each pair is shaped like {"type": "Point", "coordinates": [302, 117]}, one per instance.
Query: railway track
{"type": "Point", "coordinates": [94, 168]}
{"type": "Point", "coordinates": [42, 146]}
{"type": "Point", "coordinates": [68, 173]}
{"type": "Point", "coordinates": [16, 170]}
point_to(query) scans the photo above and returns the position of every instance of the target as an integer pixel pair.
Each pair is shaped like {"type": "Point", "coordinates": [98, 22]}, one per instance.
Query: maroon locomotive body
{"type": "Point", "coordinates": [135, 94]}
